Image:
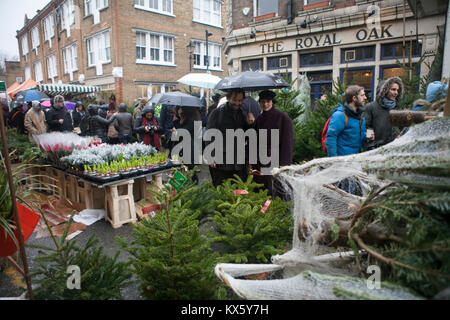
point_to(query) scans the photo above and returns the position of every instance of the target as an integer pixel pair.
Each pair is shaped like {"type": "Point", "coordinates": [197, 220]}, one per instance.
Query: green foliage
{"type": "Point", "coordinates": [201, 196]}
{"type": "Point", "coordinates": [171, 257]}
{"type": "Point", "coordinates": [102, 277]}
{"type": "Point", "coordinates": [33, 153]}
{"type": "Point", "coordinates": [248, 234]}
{"type": "Point", "coordinates": [420, 252]}
{"type": "Point", "coordinates": [17, 144]}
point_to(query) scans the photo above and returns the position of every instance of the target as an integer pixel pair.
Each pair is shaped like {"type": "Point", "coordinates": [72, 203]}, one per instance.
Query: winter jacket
{"type": "Point", "coordinates": [35, 125]}
{"type": "Point", "coordinates": [166, 120]}
{"type": "Point", "coordinates": [276, 119]}
{"type": "Point", "coordinates": [77, 116]}
{"type": "Point", "coordinates": [98, 126]}
{"type": "Point", "coordinates": [223, 118]}
{"type": "Point", "coordinates": [344, 139]}
{"type": "Point", "coordinates": [124, 123]}
{"type": "Point", "coordinates": [140, 128]}
{"type": "Point", "coordinates": [54, 115]}
{"type": "Point", "coordinates": [377, 117]}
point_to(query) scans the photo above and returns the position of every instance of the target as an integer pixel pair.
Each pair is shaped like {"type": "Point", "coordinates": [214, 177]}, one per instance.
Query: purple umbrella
{"type": "Point", "coordinates": [69, 105]}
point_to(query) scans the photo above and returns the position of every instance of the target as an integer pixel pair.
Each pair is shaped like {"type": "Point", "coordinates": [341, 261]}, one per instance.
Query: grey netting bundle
{"type": "Point", "coordinates": [328, 189]}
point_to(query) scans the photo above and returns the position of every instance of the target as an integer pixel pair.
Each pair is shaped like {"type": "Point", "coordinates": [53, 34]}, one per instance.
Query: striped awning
{"type": "Point", "coordinates": [63, 89]}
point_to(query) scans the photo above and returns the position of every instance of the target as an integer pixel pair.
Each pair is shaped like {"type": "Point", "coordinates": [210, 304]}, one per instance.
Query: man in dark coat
{"type": "Point", "coordinates": [227, 116]}
{"type": "Point", "coordinates": [273, 119]}
{"type": "Point", "coordinates": [98, 126]}
{"type": "Point", "coordinates": [124, 124]}
{"type": "Point", "coordinates": [376, 113]}
{"type": "Point", "coordinates": [16, 117]}
{"type": "Point", "coordinates": [58, 118]}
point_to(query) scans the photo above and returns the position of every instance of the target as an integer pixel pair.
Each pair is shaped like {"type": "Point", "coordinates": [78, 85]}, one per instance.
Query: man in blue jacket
{"type": "Point", "coordinates": [347, 130]}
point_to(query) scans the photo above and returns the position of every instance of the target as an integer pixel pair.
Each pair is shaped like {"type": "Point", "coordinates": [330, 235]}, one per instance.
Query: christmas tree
{"type": "Point", "coordinates": [249, 224]}
{"type": "Point", "coordinates": [171, 257]}
{"type": "Point", "coordinates": [100, 276]}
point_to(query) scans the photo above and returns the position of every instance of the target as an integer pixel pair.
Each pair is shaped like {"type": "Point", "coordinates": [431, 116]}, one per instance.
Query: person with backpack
{"type": "Point", "coordinates": [346, 130]}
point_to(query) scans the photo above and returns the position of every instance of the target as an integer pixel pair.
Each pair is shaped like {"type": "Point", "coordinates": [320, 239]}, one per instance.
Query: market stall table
{"type": "Point", "coordinates": [116, 197]}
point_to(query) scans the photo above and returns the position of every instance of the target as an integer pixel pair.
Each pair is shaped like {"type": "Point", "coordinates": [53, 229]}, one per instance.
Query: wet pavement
{"type": "Point", "coordinates": [12, 283]}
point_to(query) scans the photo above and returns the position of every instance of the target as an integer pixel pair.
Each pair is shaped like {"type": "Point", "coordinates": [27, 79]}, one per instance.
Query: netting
{"type": "Point", "coordinates": [327, 189]}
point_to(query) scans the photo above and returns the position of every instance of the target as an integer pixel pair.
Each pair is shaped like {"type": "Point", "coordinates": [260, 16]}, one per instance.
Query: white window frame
{"type": "Point", "coordinates": [52, 66]}
{"type": "Point", "coordinates": [38, 75]}
{"type": "Point", "coordinates": [35, 39]}
{"type": "Point", "coordinates": [24, 42]}
{"type": "Point", "coordinates": [70, 58]}
{"type": "Point", "coordinates": [255, 7]}
{"type": "Point", "coordinates": [201, 7]}
{"type": "Point", "coordinates": [27, 72]}
{"type": "Point", "coordinates": [67, 15]}
{"type": "Point", "coordinates": [213, 50]}
{"type": "Point", "coordinates": [99, 48]}
{"type": "Point", "coordinates": [166, 43]}
{"type": "Point", "coordinates": [90, 6]}
{"type": "Point", "coordinates": [49, 28]}
{"type": "Point", "coordinates": [145, 5]}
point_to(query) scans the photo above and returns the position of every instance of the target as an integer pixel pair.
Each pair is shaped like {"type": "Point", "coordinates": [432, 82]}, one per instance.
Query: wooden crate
{"type": "Point", "coordinates": [56, 180]}
{"type": "Point", "coordinates": [119, 204]}
{"type": "Point", "coordinates": [94, 198]}
{"type": "Point", "coordinates": [70, 187]}
{"type": "Point", "coordinates": [142, 186]}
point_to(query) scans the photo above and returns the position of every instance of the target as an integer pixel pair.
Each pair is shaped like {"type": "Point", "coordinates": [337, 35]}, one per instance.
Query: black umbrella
{"type": "Point", "coordinates": [178, 99]}
{"type": "Point", "coordinates": [251, 81]}
{"type": "Point", "coordinates": [30, 95]}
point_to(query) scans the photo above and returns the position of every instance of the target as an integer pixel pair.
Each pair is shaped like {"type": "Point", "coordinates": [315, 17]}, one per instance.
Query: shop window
{"type": "Point", "coordinates": [279, 62]}
{"type": "Point", "coordinates": [395, 50]}
{"type": "Point", "coordinates": [266, 6]}
{"type": "Point", "coordinates": [320, 82]}
{"type": "Point", "coordinates": [390, 71]}
{"type": "Point", "coordinates": [363, 77]}
{"type": "Point", "coordinates": [253, 65]}
{"type": "Point", "coordinates": [358, 54]}
{"type": "Point", "coordinates": [316, 59]}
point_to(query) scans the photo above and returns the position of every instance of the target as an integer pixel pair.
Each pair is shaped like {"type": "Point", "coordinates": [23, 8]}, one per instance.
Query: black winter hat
{"type": "Point", "coordinates": [267, 94]}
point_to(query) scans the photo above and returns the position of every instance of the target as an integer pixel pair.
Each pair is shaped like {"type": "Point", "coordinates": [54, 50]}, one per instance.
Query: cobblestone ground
{"type": "Point", "coordinates": [12, 283]}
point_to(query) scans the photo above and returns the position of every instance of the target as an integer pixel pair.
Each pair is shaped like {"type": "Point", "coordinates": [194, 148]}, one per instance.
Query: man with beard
{"type": "Point", "coordinates": [228, 116]}
{"type": "Point", "coordinates": [347, 129]}
{"type": "Point", "coordinates": [58, 118]}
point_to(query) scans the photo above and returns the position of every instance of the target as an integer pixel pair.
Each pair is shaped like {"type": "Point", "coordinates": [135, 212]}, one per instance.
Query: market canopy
{"type": "Point", "coordinates": [63, 89]}
{"type": "Point", "coordinates": [28, 84]}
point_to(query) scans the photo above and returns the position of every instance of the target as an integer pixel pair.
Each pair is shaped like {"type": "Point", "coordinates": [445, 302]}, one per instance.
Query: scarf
{"type": "Point", "coordinates": [147, 136]}
{"type": "Point", "coordinates": [390, 104]}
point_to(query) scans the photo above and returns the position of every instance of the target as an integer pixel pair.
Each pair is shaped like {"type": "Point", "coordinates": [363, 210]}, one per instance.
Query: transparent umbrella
{"type": "Point", "coordinates": [201, 80]}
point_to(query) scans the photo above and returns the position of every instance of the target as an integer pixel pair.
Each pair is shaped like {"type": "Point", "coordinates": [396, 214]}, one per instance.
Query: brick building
{"type": "Point", "coordinates": [324, 39]}
{"type": "Point", "coordinates": [13, 72]}
{"type": "Point", "coordinates": [135, 48]}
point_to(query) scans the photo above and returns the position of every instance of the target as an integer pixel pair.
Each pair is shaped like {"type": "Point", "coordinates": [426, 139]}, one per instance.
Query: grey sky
{"type": "Point", "coordinates": [12, 13]}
